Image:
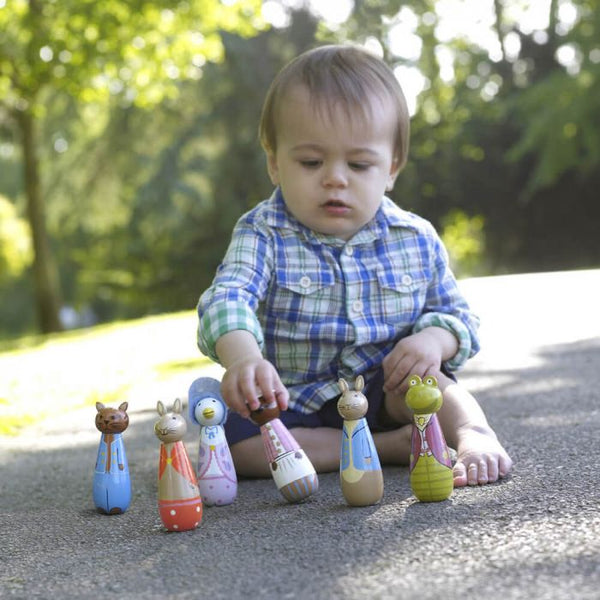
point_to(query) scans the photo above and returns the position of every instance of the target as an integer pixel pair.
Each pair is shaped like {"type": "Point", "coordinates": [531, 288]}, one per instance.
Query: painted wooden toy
{"type": "Point", "coordinates": [179, 501]}
{"type": "Point", "coordinates": [361, 477]}
{"type": "Point", "coordinates": [292, 471]}
{"type": "Point", "coordinates": [112, 484]}
{"type": "Point", "coordinates": [430, 465]}
{"type": "Point", "coordinates": [216, 474]}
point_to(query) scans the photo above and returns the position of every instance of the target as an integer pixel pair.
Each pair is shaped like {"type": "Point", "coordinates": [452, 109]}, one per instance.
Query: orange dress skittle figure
{"type": "Point", "coordinates": [179, 501]}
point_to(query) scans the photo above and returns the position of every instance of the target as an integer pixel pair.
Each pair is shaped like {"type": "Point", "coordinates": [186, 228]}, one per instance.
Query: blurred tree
{"type": "Point", "coordinates": [505, 128]}
{"type": "Point", "coordinates": [186, 172]}
{"type": "Point", "coordinates": [88, 50]}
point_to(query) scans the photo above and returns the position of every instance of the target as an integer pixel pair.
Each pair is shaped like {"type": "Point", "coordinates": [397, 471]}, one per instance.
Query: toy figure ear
{"type": "Point", "coordinates": [343, 385]}
{"type": "Point", "coordinates": [359, 384]}
{"type": "Point", "coordinates": [160, 408]}
{"type": "Point", "coordinates": [99, 406]}
{"type": "Point", "coordinates": [177, 406]}
{"type": "Point", "coordinates": [123, 406]}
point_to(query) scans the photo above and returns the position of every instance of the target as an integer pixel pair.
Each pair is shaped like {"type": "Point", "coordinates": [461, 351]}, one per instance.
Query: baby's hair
{"type": "Point", "coordinates": [344, 74]}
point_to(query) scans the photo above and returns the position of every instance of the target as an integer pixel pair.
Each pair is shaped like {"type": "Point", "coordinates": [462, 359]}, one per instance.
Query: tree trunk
{"type": "Point", "coordinates": [47, 285]}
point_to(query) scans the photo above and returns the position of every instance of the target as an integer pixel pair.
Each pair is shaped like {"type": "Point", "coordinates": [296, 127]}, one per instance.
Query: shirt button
{"type": "Point", "coordinates": [357, 306]}
{"type": "Point", "coordinates": [305, 282]}
{"type": "Point", "coordinates": [349, 250]}
{"type": "Point", "coordinates": [406, 279]}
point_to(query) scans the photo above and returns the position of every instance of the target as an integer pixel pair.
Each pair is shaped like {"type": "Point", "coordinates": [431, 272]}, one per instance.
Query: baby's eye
{"type": "Point", "coordinates": [359, 166]}
{"type": "Point", "coordinates": [311, 163]}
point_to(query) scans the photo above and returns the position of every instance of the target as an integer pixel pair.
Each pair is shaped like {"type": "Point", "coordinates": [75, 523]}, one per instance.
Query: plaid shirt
{"type": "Point", "coordinates": [322, 308]}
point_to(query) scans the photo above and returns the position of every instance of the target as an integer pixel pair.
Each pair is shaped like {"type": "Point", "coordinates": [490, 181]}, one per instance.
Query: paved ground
{"type": "Point", "coordinates": [535, 535]}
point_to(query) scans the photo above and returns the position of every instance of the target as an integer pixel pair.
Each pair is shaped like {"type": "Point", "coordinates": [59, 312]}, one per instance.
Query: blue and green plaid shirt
{"type": "Point", "coordinates": [322, 308]}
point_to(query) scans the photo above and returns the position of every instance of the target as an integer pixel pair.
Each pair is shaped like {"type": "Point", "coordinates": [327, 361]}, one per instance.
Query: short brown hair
{"type": "Point", "coordinates": [342, 73]}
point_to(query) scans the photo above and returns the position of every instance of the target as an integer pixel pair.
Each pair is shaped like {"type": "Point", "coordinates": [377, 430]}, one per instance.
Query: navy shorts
{"type": "Point", "coordinates": [238, 428]}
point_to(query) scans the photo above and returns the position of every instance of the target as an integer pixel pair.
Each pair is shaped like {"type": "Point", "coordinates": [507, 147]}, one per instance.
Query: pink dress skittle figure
{"type": "Point", "coordinates": [216, 474]}
{"type": "Point", "coordinates": [292, 471]}
{"type": "Point", "coordinates": [179, 502]}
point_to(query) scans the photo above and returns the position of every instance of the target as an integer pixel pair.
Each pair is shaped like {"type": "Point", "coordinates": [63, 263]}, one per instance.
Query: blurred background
{"type": "Point", "coordinates": [128, 138]}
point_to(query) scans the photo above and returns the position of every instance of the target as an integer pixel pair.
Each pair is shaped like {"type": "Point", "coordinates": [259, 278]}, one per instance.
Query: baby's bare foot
{"type": "Point", "coordinates": [481, 458]}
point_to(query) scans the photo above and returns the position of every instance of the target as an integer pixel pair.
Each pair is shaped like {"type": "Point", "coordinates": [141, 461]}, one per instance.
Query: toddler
{"type": "Point", "coordinates": [330, 279]}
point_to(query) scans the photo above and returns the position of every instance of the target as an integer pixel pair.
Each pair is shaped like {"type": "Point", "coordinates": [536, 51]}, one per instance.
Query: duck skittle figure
{"type": "Point", "coordinates": [361, 477]}
{"type": "Point", "coordinates": [430, 465]}
{"type": "Point", "coordinates": [216, 474]}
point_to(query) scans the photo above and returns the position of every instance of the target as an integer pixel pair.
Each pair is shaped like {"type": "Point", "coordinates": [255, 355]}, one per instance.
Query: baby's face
{"type": "Point", "coordinates": [333, 171]}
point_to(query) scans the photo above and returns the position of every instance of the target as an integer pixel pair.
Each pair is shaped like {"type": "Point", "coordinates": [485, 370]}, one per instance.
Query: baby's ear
{"type": "Point", "coordinates": [394, 171]}
{"type": "Point", "coordinates": [272, 167]}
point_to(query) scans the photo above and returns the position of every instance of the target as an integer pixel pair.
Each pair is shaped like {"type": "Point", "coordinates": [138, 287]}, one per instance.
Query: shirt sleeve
{"type": "Point", "coordinates": [445, 307]}
{"type": "Point", "coordinates": [239, 285]}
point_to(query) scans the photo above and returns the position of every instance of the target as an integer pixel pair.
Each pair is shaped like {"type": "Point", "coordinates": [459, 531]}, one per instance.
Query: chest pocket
{"type": "Point", "coordinates": [304, 296]}
{"type": "Point", "coordinates": [402, 296]}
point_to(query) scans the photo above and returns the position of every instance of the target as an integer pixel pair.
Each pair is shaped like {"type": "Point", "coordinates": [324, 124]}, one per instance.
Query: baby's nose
{"type": "Point", "coordinates": [335, 175]}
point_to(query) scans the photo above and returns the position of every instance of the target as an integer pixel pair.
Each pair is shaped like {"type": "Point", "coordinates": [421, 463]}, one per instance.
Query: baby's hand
{"type": "Point", "coordinates": [246, 380]}
{"type": "Point", "coordinates": [418, 354]}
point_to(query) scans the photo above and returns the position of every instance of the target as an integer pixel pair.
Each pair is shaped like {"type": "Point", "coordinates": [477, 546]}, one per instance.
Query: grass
{"type": "Point", "coordinates": [45, 375]}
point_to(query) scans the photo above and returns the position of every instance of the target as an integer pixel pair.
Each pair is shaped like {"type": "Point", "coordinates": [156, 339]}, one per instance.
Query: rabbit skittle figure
{"type": "Point", "coordinates": [216, 474]}
{"type": "Point", "coordinates": [112, 484]}
{"type": "Point", "coordinates": [179, 502]}
{"type": "Point", "coordinates": [361, 477]}
{"type": "Point", "coordinates": [430, 464]}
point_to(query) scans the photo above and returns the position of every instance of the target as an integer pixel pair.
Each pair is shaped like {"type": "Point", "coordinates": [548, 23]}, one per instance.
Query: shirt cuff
{"type": "Point", "coordinates": [221, 318]}
{"type": "Point", "coordinates": [455, 326]}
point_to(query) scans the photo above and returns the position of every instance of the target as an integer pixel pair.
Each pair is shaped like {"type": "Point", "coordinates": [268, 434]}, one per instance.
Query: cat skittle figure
{"type": "Point", "coordinates": [217, 479]}
{"type": "Point", "coordinates": [430, 464]}
{"type": "Point", "coordinates": [179, 502]}
{"type": "Point", "coordinates": [112, 484]}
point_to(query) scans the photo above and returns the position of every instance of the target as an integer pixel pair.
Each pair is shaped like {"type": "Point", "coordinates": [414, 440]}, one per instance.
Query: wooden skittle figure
{"type": "Point", "coordinates": [216, 474]}
{"type": "Point", "coordinates": [179, 501]}
{"type": "Point", "coordinates": [112, 484]}
{"type": "Point", "coordinates": [430, 465]}
{"type": "Point", "coordinates": [361, 477]}
{"type": "Point", "coordinates": [292, 471]}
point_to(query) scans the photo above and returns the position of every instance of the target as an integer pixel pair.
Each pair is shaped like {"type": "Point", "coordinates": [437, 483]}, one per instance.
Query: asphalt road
{"type": "Point", "coordinates": [536, 535]}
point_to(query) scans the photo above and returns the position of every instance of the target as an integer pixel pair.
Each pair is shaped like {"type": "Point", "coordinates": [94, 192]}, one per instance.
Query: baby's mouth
{"type": "Point", "coordinates": [333, 203]}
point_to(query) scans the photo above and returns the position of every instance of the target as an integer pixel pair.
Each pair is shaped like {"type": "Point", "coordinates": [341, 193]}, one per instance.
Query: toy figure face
{"type": "Point", "coordinates": [423, 397]}
{"type": "Point", "coordinates": [111, 420]}
{"type": "Point", "coordinates": [210, 411]}
{"type": "Point", "coordinates": [171, 426]}
{"type": "Point", "coordinates": [264, 414]}
{"type": "Point", "coordinates": [352, 405]}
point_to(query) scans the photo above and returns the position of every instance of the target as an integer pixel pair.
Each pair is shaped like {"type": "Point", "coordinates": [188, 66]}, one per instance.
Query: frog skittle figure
{"type": "Point", "coordinates": [217, 479]}
{"type": "Point", "coordinates": [361, 477]}
{"type": "Point", "coordinates": [112, 484]}
{"type": "Point", "coordinates": [430, 465]}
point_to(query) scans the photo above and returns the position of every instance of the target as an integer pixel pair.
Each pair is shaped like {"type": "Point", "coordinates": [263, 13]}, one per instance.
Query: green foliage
{"type": "Point", "coordinates": [464, 238]}
{"type": "Point", "coordinates": [15, 242]}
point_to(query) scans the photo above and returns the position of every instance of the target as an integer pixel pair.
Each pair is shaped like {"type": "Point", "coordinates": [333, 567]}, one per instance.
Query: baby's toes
{"type": "Point", "coordinates": [460, 474]}
{"type": "Point", "coordinates": [473, 472]}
